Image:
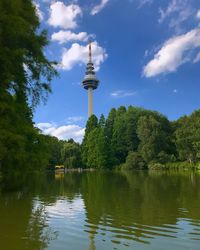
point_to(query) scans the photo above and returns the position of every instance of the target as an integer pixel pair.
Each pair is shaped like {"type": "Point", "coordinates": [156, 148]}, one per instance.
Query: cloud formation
{"type": "Point", "coordinates": [198, 14]}
{"type": "Point", "coordinates": [123, 93]}
{"type": "Point", "coordinates": [143, 2]}
{"type": "Point", "coordinates": [197, 58]}
{"type": "Point", "coordinates": [73, 119]}
{"type": "Point", "coordinates": [64, 16]}
{"type": "Point", "coordinates": [174, 52]}
{"type": "Point", "coordinates": [62, 132]}
{"type": "Point", "coordinates": [78, 54]}
{"type": "Point", "coordinates": [172, 7]}
{"type": "Point", "coordinates": [67, 36]}
{"type": "Point", "coordinates": [39, 13]}
{"type": "Point", "coordinates": [179, 11]}
{"type": "Point", "coordinates": [99, 7]}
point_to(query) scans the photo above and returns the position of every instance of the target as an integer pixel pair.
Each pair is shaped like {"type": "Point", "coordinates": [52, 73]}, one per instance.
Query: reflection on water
{"type": "Point", "coordinates": [59, 175]}
{"type": "Point", "coordinates": [104, 210]}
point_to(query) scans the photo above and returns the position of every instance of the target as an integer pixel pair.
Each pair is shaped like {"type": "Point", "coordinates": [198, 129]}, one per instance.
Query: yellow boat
{"type": "Point", "coordinates": [60, 168]}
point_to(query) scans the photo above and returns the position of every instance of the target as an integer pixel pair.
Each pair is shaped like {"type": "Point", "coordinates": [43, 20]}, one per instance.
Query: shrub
{"type": "Point", "coordinates": [134, 161]}
{"type": "Point", "coordinates": [156, 166]}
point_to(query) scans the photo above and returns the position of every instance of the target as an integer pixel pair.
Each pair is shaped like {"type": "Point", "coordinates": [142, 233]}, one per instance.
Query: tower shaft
{"type": "Point", "coordinates": [90, 102]}
{"type": "Point", "coordinates": [90, 82]}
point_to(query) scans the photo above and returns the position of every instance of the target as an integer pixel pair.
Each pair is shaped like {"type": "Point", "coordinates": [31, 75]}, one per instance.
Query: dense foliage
{"type": "Point", "coordinates": [71, 155]}
{"type": "Point", "coordinates": [25, 76]}
{"type": "Point", "coordinates": [137, 138]}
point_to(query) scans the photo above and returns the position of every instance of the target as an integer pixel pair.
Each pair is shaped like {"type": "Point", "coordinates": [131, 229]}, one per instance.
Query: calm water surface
{"type": "Point", "coordinates": [103, 210]}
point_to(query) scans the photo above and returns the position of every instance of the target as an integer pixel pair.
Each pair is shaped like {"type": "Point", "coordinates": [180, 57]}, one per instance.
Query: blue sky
{"type": "Point", "coordinates": [146, 53]}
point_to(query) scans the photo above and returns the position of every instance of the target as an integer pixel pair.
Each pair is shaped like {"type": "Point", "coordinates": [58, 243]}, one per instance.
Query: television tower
{"type": "Point", "coordinates": [90, 82]}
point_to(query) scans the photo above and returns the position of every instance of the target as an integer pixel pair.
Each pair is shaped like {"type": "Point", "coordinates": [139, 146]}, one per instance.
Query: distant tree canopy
{"type": "Point", "coordinates": [71, 154]}
{"type": "Point", "coordinates": [136, 138]}
{"type": "Point", "coordinates": [132, 138]}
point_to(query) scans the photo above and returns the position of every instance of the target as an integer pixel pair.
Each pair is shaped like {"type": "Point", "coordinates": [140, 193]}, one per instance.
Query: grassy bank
{"type": "Point", "coordinates": [175, 165]}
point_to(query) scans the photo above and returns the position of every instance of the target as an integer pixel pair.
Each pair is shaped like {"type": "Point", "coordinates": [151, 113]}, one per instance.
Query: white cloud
{"type": "Point", "coordinates": [67, 36]}
{"type": "Point", "coordinates": [62, 132]}
{"type": "Point", "coordinates": [73, 119]}
{"type": "Point", "coordinates": [99, 7]}
{"type": "Point", "coordinates": [198, 14]}
{"type": "Point", "coordinates": [78, 54]}
{"type": "Point", "coordinates": [175, 52]}
{"type": "Point", "coordinates": [179, 11]}
{"type": "Point", "coordinates": [39, 13]}
{"type": "Point", "coordinates": [178, 20]}
{"type": "Point", "coordinates": [123, 93]}
{"type": "Point", "coordinates": [144, 2]}
{"type": "Point", "coordinates": [197, 58]}
{"type": "Point", "coordinates": [64, 16]}
{"type": "Point", "coordinates": [44, 125]}
{"type": "Point", "coordinates": [173, 6]}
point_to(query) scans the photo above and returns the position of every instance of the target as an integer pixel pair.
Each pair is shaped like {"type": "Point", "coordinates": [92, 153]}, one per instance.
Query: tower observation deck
{"type": "Point", "coordinates": [90, 82]}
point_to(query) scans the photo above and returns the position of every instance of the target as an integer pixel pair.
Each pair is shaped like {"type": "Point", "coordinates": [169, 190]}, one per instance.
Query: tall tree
{"type": "Point", "coordinates": [188, 137]}
{"type": "Point", "coordinates": [118, 142]}
{"type": "Point", "coordinates": [71, 154]}
{"type": "Point", "coordinates": [24, 66]}
{"type": "Point", "coordinates": [103, 156]}
{"type": "Point", "coordinates": [154, 138]}
{"type": "Point", "coordinates": [91, 125]}
{"type": "Point", "coordinates": [110, 123]}
{"type": "Point", "coordinates": [25, 73]}
{"type": "Point", "coordinates": [132, 116]}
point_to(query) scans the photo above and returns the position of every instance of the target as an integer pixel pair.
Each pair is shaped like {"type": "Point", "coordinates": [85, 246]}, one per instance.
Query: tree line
{"type": "Point", "coordinates": [135, 138]}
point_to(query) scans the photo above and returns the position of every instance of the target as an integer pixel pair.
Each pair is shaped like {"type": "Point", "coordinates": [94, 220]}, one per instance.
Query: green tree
{"type": "Point", "coordinates": [134, 161]}
{"type": "Point", "coordinates": [108, 130]}
{"type": "Point", "coordinates": [133, 114]}
{"type": "Point", "coordinates": [95, 145]}
{"type": "Point", "coordinates": [24, 66]}
{"type": "Point", "coordinates": [53, 149]}
{"type": "Point", "coordinates": [154, 137]}
{"type": "Point", "coordinates": [109, 124]}
{"type": "Point", "coordinates": [91, 125]}
{"type": "Point", "coordinates": [188, 137]}
{"type": "Point", "coordinates": [102, 144]}
{"type": "Point", "coordinates": [25, 73]}
{"type": "Point", "coordinates": [118, 143]}
{"type": "Point", "coordinates": [92, 149]}
{"type": "Point", "coordinates": [71, 154]}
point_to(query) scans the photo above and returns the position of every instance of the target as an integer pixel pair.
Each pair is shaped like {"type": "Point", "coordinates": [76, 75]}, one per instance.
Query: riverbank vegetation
{"type": "Point", "coordinates": [136, 138]}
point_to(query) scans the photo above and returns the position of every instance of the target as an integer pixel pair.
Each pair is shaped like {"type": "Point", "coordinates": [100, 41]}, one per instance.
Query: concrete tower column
{"type": "Point", "coordinates": [90, 102]}
{"type": "Point", "coordinates": [90, 82]}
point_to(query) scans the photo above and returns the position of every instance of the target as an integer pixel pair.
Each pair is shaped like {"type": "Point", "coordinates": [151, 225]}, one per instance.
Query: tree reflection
{"type": "Point", "coordinates": [138, 205]}
{"type": "Point", "coordinates": [22, 227]}
{"type": "Point", "coordinates": [38, 233]}
{"type": "Point", "coordinates": [120, 207]}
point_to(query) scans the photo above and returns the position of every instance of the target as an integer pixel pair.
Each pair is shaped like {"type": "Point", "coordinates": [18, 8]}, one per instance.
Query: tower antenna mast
{"type": "Point", "coordinates": [90, 82]}
{"type": "Point", "coordinates": [90, 51]}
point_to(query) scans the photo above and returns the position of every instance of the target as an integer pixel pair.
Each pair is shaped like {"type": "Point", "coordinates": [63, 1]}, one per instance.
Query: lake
{"type": "Point", "coordinates": [103, 211]}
